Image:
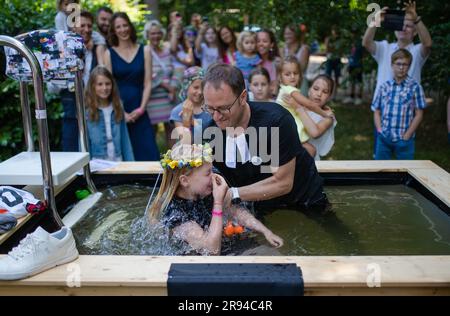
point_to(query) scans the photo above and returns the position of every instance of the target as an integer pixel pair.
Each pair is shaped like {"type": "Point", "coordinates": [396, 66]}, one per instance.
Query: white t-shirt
{"type": "Point", "coordinates": [208, 56]}
{"type": "Point", "coordinates": [383, 53]}
{"type": "Point", "coordinates": [107, 111]}
{"type": "Point", "coordinates": [324, 142]}
{"type": "Point", "coordinates": [181, 54]}
{"type": "Point", "coordinates": [61, 21]}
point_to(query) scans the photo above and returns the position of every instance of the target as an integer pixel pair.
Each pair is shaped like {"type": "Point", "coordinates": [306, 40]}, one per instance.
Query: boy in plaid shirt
{"type": "Point", "coordinates": [398, 110]}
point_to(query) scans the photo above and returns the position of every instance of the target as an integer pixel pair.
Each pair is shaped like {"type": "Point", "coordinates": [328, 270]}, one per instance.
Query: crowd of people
{"type": "Point", "coordinates": [190, 78]}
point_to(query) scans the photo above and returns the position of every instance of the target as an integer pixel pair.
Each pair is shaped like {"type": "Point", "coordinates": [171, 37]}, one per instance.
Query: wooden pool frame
{"type": "Point", "coordinates": [323, 275]}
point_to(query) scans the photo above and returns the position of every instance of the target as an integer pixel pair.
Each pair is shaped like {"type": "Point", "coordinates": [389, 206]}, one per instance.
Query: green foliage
{"type": "Point", "coordinates": [136, 10]}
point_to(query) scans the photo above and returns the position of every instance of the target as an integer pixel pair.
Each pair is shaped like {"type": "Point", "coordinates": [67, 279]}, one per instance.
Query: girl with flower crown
{"type": "Point", "coordinates": [191, 201]}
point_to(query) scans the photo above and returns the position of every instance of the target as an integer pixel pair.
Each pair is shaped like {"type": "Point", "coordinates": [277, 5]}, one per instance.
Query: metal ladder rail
{"type": "Point", "coordinates": [41, 117]}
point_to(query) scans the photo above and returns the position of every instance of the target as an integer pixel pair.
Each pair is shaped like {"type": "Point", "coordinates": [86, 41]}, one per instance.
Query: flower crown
{"type": "Point", "coordinates": [188, 156]}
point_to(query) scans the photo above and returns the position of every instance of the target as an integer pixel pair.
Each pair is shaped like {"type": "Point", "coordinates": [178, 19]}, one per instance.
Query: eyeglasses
{"type": "Point", "coordinates": [401, 65]}
{"type": "Point", "coordinates": [223, 111]}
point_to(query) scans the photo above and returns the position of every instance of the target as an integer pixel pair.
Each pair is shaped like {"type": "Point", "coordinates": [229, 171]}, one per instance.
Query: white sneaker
{"type": "Point", "coordinates": [37, 252]}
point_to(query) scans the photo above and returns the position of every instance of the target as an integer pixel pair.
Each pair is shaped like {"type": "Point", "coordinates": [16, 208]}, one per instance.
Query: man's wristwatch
{"type": "Point", "coordinates": [235, 199]}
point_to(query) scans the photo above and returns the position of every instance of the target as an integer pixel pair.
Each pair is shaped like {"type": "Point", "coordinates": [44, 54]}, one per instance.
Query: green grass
{"type": "Point", "coordinates": [354, 136]}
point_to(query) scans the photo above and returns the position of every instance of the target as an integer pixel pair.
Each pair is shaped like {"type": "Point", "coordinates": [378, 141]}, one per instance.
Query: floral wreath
{"type": "Point", "coordinates": [196, 155]}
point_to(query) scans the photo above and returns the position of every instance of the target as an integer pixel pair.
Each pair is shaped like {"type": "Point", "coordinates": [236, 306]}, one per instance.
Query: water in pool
{"type": "Point", "coordinates": [368, 220]}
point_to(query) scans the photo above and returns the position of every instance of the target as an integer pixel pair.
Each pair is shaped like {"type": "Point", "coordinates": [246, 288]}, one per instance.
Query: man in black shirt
{"type": "Point", "coordinates": [259, 152]}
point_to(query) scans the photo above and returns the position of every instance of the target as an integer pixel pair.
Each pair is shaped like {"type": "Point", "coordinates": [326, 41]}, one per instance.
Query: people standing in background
{"type": "Point", "coordinates": [206, 46]}
{"type": "Point", "coordinates": [294, 44]}
{"type": "Point", "coordinates": [398, 110]}
{"type": "Point", "coordinates": [259, 85]}
{"type": "Point", "coordinates": [103, 21]}
{"type": "Point", "coordinates": [164, 83]}
{"type": "Point", "coordinates": [107, 131]}
{"type": "Point", "coordinates": [267, 47]}
{"type": "Point", "coordinates": [64, 11]}
{"type": "Point", "coordinates": [175, 16]}
{"type": "Point", "coordinates": [334, 48]}
{"type": "Point", "coordinates": [93, 57]}
{"type": "Point", "coordinates": [131, 66]}
{"type": "Point", "coordinates": [227, 45]}
{"type": "Point", "coordinates": [319, 128]}
{"type": "Point", "coordinates": [246, 56]}
{"type": "Point", "coordinates": [355, 70]}
{"type": "Point", "coordinates": [196, 21]}
{"type": "Point", "coordinates": [189, 116]}
{"type": "Point", "coordinates": [382, 51]}
{"type": "Point", "coordinates": [290, 97]}
{"type": "Point", "coordinates": [183, 56]}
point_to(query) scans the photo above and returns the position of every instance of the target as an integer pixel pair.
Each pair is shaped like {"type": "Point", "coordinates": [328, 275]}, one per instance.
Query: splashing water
{"type": "Point", "coordinates": [369, 220]}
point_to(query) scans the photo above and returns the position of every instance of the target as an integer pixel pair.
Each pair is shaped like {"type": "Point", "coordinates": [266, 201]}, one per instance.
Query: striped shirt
{"type": "Point", "coordinates": [397, 103]}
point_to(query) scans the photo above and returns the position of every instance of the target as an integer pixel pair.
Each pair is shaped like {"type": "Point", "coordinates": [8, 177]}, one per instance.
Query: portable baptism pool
{"type": "Point", "coordinates": [390, 235]}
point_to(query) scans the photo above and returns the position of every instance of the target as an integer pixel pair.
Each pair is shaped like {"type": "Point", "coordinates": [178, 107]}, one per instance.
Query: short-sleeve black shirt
{"type": "Point", "coordinates": [180, 211]}
{"type": "Point", "coordinates": [307, 182]}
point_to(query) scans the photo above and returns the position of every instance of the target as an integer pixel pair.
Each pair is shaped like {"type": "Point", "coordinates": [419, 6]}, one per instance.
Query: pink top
{"type": "Point", "coordinates": [270, 67]}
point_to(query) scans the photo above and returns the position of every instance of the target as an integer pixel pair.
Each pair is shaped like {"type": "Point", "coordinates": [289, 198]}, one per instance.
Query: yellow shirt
{"type": "Point", "coordinates": [287, 90]}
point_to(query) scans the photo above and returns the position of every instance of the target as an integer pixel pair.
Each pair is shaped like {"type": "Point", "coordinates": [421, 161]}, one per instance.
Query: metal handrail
{"type": "Point", "coordinates": [82, 128]}
{"type": "Point", "coordinates": [41, 117]}
{"type": "Point", "coordinates": [26, 116]}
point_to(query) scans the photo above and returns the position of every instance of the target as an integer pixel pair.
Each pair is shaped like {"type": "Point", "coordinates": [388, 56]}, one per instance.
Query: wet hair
{"type": "Point", "coordinates": [327, 79]}
{"type": "Point", "coordinates": [290, 60]}
{"type": "Point", "coordinates": [219, 73]}
{"type": "Point", "coordinates": [171, 179]}
{"type": "Point", "coordinates": [92, 100]}
{"type": "Point", "coordinates": [112, 37]}
{"type": "Point", "coordinates": [242, 37]}
{"type": "Point", "coordinates": [259, 71]}
{"type": "Point", "coordinates": [401, 53]}
{"type": "Point", "coordinates": [274, 52]}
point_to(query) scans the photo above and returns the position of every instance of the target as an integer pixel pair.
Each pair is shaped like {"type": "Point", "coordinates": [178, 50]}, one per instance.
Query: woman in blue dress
{"type": "Point", "coordinates": [130, 65]}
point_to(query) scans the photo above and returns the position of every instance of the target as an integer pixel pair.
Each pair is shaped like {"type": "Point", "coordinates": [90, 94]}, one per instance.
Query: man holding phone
{"type": "Point", "coordinates": [382, 50]}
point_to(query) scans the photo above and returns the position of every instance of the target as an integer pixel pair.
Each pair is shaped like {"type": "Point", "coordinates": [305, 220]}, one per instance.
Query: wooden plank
{"type": "Point", "coordinates": [436, 180]}
{"type": "Point", "coordinates": [86, 290]}
{"type": "Point", "coordinates": [335, 272]}
{"type": "Point", "coordinates": [138, 167]}
{"type": "Point", "coordinates": [152, 167]}
{"type": "Point", "coordinates": [373, 165]}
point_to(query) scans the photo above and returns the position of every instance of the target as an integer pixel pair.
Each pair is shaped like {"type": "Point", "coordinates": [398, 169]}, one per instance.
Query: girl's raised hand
{"type": "Point", "coordinates": [220, 188]}
{"type": "Point", "coordinates": [274, 240]}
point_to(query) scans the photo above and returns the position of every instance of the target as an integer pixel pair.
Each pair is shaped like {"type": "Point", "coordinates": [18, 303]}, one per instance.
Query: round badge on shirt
{"type": "Point", "coordinates": [256, 160]}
